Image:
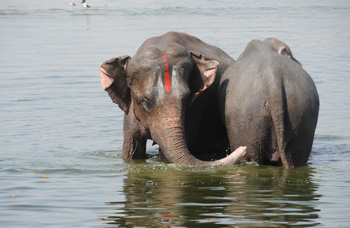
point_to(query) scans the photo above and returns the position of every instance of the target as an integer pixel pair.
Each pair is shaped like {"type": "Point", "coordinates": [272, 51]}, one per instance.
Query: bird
{"type": "Point", "coordinates": [72, 3]}
{"type": "Point", "coordinates": [85, 5]}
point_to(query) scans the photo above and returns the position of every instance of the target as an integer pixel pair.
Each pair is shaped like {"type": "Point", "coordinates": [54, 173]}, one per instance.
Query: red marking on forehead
{"type": "Point", "coordinates": [167, 76]}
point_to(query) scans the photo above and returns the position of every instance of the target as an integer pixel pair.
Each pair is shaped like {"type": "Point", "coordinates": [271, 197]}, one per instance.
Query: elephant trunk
{"type": "Point", "coordinates": [170, 136]}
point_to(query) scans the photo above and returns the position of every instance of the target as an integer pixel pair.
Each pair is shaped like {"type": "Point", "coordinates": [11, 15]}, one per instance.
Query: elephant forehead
{"type": "Point", "coordinates": [141, 67]}
{"type": "Point", "coordinates": [149, 53]}
{"type": "Point", "coordinates": [155, 52]}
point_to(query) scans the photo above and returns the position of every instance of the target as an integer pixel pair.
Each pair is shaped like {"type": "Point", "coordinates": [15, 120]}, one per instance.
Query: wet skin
{"type": "Point", "coordinates": [270, 103]}
{"type": "Point", "coordinates": [169, 93]}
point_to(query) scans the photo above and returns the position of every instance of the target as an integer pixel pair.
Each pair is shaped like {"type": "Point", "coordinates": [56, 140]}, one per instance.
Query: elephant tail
{"type": "Point", "coordinates": [278, 113]}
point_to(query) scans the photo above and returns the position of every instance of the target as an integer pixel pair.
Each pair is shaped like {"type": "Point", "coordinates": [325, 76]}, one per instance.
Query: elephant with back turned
{"type": "Point", "coordinates": [270, 104]}
{"type": "Point", "coordinates": [169, 93]}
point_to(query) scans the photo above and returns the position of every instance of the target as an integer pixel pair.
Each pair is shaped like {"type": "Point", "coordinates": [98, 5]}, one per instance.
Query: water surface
{"type": "Point", "coordinates": [57, 121]}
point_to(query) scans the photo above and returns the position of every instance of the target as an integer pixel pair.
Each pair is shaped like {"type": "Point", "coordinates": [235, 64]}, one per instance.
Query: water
{"type": "Point", "coordinates": [57, 121]}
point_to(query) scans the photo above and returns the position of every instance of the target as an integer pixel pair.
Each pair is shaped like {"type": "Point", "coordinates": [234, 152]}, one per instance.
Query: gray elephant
{"type": "Point", "coordinates": [169, 93]}
{"type": "Point", "coordinates": [270, 104]}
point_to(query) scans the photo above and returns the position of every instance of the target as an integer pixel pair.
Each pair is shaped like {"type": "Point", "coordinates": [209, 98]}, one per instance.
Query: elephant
{"type": "Point", "coordinates": [169, 91]}
{"type": "Point", "coordinates": [269, 103]}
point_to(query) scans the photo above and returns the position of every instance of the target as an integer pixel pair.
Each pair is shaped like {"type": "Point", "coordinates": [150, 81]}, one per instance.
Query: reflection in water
{"type": "Point", "coordinates": [166, 195]}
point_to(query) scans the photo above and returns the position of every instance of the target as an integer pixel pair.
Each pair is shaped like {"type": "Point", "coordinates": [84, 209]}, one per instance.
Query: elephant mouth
{"type": "Point", "coordinates": [106, 80]}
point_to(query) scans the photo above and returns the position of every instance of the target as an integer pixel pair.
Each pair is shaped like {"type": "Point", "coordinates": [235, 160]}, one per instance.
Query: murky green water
{"type": "Point", "coordinates": [57, 121]}
{"type": "Point", "coordinates": [244, 196]}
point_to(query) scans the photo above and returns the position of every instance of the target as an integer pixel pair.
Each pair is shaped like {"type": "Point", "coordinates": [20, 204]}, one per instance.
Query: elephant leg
{"type": "Point", "coordinates": [135, 138]}
{"type": "Point", "coordinates": [161, 154]}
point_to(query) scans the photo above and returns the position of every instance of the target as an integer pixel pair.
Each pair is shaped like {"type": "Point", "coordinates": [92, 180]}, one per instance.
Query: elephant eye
{"type": "Point", "coordinates": [147, 104]}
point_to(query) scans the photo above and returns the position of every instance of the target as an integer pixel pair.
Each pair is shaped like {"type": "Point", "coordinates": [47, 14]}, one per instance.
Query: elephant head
{"type": "Point", "coordinates": [157, 86]}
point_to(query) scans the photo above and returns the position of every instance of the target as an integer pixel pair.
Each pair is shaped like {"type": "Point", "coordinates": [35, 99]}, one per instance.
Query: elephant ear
{"type": "Point", "coordinates": [285, 51]}
{"type": "Point", "coordinates": [281, 48]}
{"type": "Point", "coordinates": [207, 69]}
{"type": "Point", "coordinates": [114, 81]}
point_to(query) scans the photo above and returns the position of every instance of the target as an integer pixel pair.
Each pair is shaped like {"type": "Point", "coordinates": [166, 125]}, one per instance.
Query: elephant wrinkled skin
{"type": "Point", "coordinates": [270, 104]}
{"type": "Point", "coordinates": [169, 93]}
